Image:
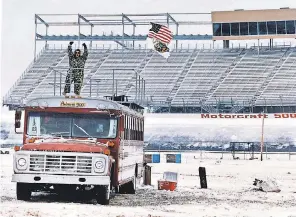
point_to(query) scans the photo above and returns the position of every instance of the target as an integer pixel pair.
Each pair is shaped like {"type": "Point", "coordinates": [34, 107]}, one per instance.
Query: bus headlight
{"type": "Point", "coordinates": [99, 165]}
{"type": "Point", "coordinates": [21, 162]}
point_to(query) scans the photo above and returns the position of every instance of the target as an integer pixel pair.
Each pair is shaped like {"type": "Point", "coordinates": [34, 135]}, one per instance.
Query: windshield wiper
{"type": "Point", "coordinates": [83, 130]}
{"type": "Point", "coordinates": [59, 134]}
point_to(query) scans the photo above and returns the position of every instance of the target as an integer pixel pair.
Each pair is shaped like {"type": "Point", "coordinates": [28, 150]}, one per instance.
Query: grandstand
{"type": "Point", "coordinates": [236, 79]}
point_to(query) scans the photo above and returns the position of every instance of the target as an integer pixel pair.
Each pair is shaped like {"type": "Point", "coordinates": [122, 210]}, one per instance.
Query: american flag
{"type": "Point", "coordinates": [160, 32]}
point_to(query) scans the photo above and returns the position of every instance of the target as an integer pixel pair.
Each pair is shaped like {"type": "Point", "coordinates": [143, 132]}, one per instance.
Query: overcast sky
{"type": "Point", "coordinates": [18, 21]}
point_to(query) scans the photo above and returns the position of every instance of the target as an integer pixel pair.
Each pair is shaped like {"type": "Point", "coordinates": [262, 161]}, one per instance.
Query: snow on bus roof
{"type": "Point", "coordinates": [97, 103]}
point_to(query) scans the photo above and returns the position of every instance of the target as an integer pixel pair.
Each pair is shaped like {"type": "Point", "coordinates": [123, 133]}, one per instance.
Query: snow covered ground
{"type": "Point", "coordinates": [230, 191]}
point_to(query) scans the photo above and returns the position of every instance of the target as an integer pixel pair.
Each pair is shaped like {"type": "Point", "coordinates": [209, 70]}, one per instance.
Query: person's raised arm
{"type": "Point", "coordinates": [70, 52]}
{"type": "Point", "coordinates": [85, 52]}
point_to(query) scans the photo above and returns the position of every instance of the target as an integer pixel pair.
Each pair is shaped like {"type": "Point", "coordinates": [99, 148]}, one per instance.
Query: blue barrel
{"type": "Point", "coordinates": [156, 158]}
{"type": "Point", "coordinates": [178, 158]}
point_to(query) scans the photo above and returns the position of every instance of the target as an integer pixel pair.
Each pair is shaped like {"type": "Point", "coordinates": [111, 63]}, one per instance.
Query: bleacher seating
{"type": "Point", "coordinates": [187, 76]}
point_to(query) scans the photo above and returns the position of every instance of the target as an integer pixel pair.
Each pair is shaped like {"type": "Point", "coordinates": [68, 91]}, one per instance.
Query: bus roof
{"type": "Point", "coordinates": [86, 103]}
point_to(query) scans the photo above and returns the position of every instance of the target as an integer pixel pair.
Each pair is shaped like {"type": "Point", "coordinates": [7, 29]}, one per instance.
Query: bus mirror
{"type": "Point", "coordinates": [17, 120]}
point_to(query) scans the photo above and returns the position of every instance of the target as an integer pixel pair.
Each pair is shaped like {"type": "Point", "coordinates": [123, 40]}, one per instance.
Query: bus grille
{"type": "Point", "coordinates": [60, 164]}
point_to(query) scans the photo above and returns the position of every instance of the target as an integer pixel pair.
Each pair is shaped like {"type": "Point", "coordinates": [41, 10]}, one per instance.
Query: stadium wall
{"type": "Point", "coordinates": [278, 128]}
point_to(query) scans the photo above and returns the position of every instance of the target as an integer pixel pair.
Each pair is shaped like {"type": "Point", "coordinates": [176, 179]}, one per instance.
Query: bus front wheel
{"type": "Point", "coordinates": [23, 191]}
{"type": "Point", "coordinates": [103, 194]}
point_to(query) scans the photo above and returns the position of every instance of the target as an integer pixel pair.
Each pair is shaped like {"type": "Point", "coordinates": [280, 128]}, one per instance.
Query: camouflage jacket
{"type": "Point", "coordinates": [77, 62]}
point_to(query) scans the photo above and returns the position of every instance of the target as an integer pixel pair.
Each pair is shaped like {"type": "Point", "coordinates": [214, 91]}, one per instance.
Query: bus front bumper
{"type": "Point", "coordinates": [61, 179]}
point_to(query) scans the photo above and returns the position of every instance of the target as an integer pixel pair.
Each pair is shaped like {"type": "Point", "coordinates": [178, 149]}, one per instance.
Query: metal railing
{"type": "Point", "coordinates": [181, 46]}
{"type": "Point", "coordinates": [140, 84]}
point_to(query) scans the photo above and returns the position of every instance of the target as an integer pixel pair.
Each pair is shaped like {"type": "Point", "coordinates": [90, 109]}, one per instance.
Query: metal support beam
{"type": "Point", "coordinates": [119, 15]}
{"type": "Point", "coordinates": [136, 95]}
{"type": "Point", "coordinates": [123, 31]}
{"type": "Point", "coordinates": [119, 23]}
{"type": "Point", "coordinates": [86, 20]}
{"type": "Point", "coordinates": [78, 30]}
{"type": "Point", "coordinates": [177, 33]}
{"type": "Point", "coordinates": [127, 18]}
{"type": "Point", "coordinates": [123, 45]}
{"type": "Point", "coordinates": [41, 20]}
{"type": "Point", "coordinates": [46, 35]}
{"type": "Point", "coordinates": [116, 37]}
{"type": "Point", "coordinates": [35, 39]}
{"type": "Point", "coordinates": [113, 20]}
{"type": "Point", "coordinates": [116, 15]}
{"type": "Point", "coordinates": [91, 34]}
{"type": "Point", "coordinates": [134, 32]}
{"type": "Point", "coordinates": [168, 20]}
{"type": "Point", "coordinates": [172, 19]}
{"type": "Point", "coordinates": [144, 90]}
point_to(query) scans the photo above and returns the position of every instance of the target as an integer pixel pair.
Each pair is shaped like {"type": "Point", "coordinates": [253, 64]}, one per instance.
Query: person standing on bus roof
{"type": "Point", "coordinates": [76, 72]}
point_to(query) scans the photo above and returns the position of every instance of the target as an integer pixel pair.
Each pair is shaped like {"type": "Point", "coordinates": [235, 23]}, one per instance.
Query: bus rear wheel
{"type": "Point", "coordinates": [23, 191]}
{"type": "Point", "coordinates": [128, 188]}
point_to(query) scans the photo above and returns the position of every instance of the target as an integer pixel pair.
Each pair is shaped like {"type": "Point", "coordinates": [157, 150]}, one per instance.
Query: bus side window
{"type": "Point", "coordinates": [136, 129]}
{"type": "Point", "coordinates": [133, 129]}
{"type": "Point", "coordinates": [142, 131]}
{"type": "Point", "coordinates": [129, 128]}
{"type": "Point", "coordinates": [139, 129]}
{"type": "Point", "coordinates": [124, 127]}
{"type": "Point", "coordinates": [134, 122]}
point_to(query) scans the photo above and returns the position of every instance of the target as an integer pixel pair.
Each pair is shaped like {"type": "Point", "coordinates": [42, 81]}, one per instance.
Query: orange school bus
{"type": "Point", "coordinates": [85, 144]}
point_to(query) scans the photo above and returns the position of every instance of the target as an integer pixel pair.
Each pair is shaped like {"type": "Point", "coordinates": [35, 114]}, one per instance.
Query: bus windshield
{"type": "Point", "coordinates": [71, 125]}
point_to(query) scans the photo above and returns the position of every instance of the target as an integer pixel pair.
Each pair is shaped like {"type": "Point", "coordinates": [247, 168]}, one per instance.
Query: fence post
{"type": "Point", "coordinates": [147, 175]}
{"type": "Point", "coordinates": [203, 177]}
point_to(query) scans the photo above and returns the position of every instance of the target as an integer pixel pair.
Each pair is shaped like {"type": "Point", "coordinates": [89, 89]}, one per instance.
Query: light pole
{"type": "Point", "coordinates": [262, 136]}
{"type": "Point", "coordinates": [281, 98]}
{"type": "Point", "coordinates": [184, 110]}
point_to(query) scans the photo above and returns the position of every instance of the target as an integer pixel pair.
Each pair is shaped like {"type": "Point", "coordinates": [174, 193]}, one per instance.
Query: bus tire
{"type": "Point", "coordinates": [128, 188]}
{"type": "Point", "coordinates": [103, 194]}
{"type": "Point", "coordinates": [23, 191]}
